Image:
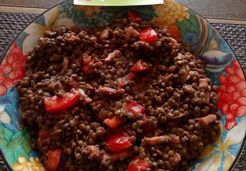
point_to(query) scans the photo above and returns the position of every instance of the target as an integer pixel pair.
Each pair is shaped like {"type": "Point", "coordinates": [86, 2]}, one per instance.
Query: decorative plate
{"type": "Point", "coordinates": [221, 66]}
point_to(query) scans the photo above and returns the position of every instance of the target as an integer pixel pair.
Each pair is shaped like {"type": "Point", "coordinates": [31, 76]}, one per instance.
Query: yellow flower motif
{"type": "Point", "coordinates": [89, 11]}
{"type": "Point", "coordinates": [36, 30]}
{"type": "Point", "coordinates": [24, 165]}
{"type": "Point", "coordinates": [212, 155]}
{"type": "Point", "coordinates": [169, 13]}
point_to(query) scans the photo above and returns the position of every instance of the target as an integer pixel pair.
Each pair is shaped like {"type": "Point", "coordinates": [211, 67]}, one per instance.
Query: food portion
{"type": "Point", "coordinates": [123, 97]}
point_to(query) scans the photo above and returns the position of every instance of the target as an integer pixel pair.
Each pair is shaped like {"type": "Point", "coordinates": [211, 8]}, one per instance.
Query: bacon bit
{"type": "Point", "coordinates": [97, 64]}
{"type": "Point", "coordinates": [122, 82]}
{"type": "Point", "coordinates": [86, 69]}
{"type": "Point", "coordinates": [64, 65]}
{"type": "Point", "coordinates": [87, 99]}
{"type": "Point", "coordinates": [161, 139]}
{"type": "Point", "coordinates": [86, 86]}
{"type": "Point", "coordinates": [203, 83]}
{"type": "Point", "coordinates": [175, 159]}
{"type": "Point", "coordinates": [173, 41]}
{"type": "Point", "coordinates": [105, 34]}
{"type": "Point", "coordinates": [111, 56]}
{"type": "Point", "coordinates": [113, 122]}
{"type": "Point", "coordinates": [96, 105]}
{"type": "Point", "coordinates": [176, 117]}
{"type": "Point", "coordinates": [110, 91]}
{"type": "Point", "coordinates": [207, 119]}
{"type": "Point", "coordinates": [131, 32]}
{"type": "Point", "coordinates": [93, 152]}
{"type": "Point", "coordinates": [140, 66]}
{"type": "Point", "coordinates": [84, 97]}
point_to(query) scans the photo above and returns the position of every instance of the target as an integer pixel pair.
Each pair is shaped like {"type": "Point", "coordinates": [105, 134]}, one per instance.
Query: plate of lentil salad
{"type": "Point", "coordinates": [126, 88]}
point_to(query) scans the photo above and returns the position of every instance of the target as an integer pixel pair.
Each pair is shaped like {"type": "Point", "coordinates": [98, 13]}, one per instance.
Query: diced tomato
{"type": "Point", "coordinates": [87, 61]}
{"type": "Point", "coordinates": [57, 104]}
{"type": "Point", "coordinates": [139, 66]}
{"type": "Point", "coordinates": [174, 32]}
{"type": "Point", "coordinates": [134, 108]}
{"type": "Point", "coordinates": [53, 159]}
{"type": "Point", "coordinates": [132, 16]}
{"type": "Point", "coordinates": [148, 35]}
{"type": "Point", "coordinates": [113, 122]}
{"type": "Point", "coordinates": [138, 164]}
{"type": "Point", "coordinates": [118, 142]}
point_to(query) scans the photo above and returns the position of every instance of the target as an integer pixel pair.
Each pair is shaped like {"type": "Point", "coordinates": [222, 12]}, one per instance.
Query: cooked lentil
{"type": "Point", "coordinates": [179, 100]}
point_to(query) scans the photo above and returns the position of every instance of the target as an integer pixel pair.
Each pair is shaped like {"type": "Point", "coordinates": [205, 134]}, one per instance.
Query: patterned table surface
{"type": "Point", "coordinates": [12, 23]}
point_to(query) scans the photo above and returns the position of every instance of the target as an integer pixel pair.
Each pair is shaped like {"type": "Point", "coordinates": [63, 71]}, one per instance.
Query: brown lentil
{"type": "Point", "coordinates": [175, 92]}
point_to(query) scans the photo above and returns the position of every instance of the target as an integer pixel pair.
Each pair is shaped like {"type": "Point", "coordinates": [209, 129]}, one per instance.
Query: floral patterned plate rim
{"type": "Point", "coordinates": [183, 24]}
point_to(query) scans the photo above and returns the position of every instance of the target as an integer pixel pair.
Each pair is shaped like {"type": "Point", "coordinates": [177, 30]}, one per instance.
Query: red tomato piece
{"type": "Point", "coordinates": [87, 61]}
{"type": "Point", "coordinates": [118, 142]}
{"type": "Point", "coordinates": [57, 104]}
{"type": "Point", "coordinates": [134, 108]}
{"type": "Point", "coordinates": [139, 66]}
{"type": "Point", "coordinates": [138, 164]}
{"type": "Point", "coordinates": [113, 122]}
{"type": "Point", "coordinates": [132, 16]}
{"type": "Point", "coordinates": [174, 32]}
{"type": "Point", "coordinates": [148, 35]}
{"type": "Point", "coordinates": [53, 159]}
